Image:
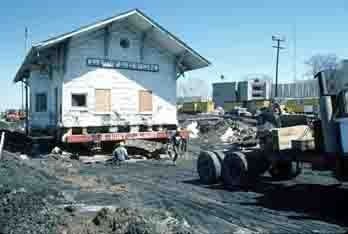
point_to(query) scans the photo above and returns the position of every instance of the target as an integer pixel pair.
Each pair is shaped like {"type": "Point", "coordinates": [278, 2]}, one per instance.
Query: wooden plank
{"type": "Point", "coordinates": [145, 101]}
{"type": "Point", "coordinates": [282, 137]}
{"type": "Point", "coordinates": [102, 100]}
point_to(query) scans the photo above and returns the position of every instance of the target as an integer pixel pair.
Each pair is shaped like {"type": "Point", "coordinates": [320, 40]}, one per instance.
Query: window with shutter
{"type": "Point", "coordinates": [102, 100]}
{"type": "Point", "coordinates": [145, 101]}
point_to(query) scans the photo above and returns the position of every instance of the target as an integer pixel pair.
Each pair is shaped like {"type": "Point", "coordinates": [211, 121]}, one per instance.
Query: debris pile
{"type": "Point", "coordinates": [26, 204]}
{"type": "Point", "coordinates": [241, 134]}
{"type": "Point", "coordinates": [144, 148]}
{"type": "Point", "coordinates": [228, 131]}
{"type": "Point", "coordinates": [127, 220]}
{"type": "Point", "coordinates": [193, 130]}
{"type": "Point", "coordinates": [26, 212]}
{"type": "Point", "coordinates": [58, 153]}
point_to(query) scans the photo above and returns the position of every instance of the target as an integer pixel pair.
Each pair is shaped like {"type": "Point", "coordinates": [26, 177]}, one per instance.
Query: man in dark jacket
{"type": "Point", "coordinates": [176, 141]}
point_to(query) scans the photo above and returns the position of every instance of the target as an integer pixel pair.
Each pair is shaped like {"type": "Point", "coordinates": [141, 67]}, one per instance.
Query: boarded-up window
{"type": "Point", "coordinates": [40, 102]}
{"type": "Point", "coordinates": [102, 100]}
{"type": "Point", "coordinates": [145, 101]}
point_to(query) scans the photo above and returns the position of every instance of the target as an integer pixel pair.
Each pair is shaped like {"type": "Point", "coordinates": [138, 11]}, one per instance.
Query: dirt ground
{"type": "Point", "coordinates": [312, 203]}
{"type": "Point", "coordinates": [46, 195]}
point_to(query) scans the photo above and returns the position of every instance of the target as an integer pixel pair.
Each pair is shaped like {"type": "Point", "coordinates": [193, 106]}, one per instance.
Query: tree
{"type": "Point", "coordinates": [320, 62]}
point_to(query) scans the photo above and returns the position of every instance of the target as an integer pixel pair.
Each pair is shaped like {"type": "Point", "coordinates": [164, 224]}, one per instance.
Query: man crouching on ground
{"type": "Point", "coordinates": [120, 153]}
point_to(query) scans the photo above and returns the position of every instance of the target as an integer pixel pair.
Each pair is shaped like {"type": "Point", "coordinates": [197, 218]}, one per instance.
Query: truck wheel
{"type": "Point", "coordinates": [234, 170]}
{"type": "Point", "coordinates": [209, 167]}
{"type": "Point", "coordinates": [284, 170]}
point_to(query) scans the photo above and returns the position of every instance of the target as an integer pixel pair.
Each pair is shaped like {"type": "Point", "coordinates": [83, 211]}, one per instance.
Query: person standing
{"type": "Point", "coordinates": [120, 153]}
{"type": "Point", "coordinates": [176, 141]}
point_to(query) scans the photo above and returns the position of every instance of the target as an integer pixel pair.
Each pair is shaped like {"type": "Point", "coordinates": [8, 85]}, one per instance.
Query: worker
{"type": "Point", "coordinates": [183, 142]}
{"type": "Point", "coordinates": [120, 153]}
{"type": "Point", "coordinates": [175, 140]}
{"type": "Point", "coordinates": [271, 115]}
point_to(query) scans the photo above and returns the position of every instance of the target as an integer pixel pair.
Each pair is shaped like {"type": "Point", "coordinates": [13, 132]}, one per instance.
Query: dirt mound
{"type": "Point", "coordinates": [16, 174]}
{"type": "Point", "coordinates": [25, 212]}
{"type": "Point", "coordinates": [27, 198]}
{"type": "Point", "coordinates": [125, 221]}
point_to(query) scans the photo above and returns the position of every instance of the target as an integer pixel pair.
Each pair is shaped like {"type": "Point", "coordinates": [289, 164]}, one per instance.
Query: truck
{"type": "Point", "coordinates": [12, 115]}
{"type": "Point", "coordinates": [282, 149]}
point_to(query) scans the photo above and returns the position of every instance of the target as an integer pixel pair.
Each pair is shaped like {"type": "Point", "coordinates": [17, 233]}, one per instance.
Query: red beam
{"type": "Point", "coordinates": [122, 136]}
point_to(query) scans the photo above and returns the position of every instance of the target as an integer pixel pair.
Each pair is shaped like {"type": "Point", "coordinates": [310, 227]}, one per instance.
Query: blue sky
{"type": "Point", "coordinates": [234, 35]}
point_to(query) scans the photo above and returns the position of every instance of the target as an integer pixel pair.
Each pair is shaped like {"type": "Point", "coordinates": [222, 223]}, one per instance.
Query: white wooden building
{"type": "Point", "coordinates": [121, 71]}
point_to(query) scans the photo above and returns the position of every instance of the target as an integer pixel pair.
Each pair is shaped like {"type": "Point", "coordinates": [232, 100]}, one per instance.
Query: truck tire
{"type": "Point", "coordinates": [284, 170]}
{"type": "Point", "coordinates": [234, 170]}
{"type": "Point", "coordinates": [208, 167]}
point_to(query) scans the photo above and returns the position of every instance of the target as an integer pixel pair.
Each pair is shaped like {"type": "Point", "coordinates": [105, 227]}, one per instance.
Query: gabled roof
{"type": "Point", "coordinates": [191, 59]}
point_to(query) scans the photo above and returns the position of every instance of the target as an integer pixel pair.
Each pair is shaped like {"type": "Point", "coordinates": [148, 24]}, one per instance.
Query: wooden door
{"type": "Point", "coordinates": [102, 100]}
{"type": "Point", "coordinates": [145, 101]}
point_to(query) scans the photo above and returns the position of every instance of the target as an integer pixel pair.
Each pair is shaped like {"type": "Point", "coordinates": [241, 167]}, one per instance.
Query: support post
{"type": "Point", "coordinates": [179, 66]}
{"type": "Point", "coordinates": [2, 142]}
{"type": "Point", "coordinates": [106, 41]}
{"type": "Point", "coordinates": [277, 68]}
{"type": "Point", "coordinates": [26, 108]}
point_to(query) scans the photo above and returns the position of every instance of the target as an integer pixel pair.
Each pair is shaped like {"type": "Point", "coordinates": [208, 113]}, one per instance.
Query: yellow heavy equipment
{"type": "Point", "coordinates": [198, 107]}
{"type": "Point", "coordinates": [302, 105]}
{"type": "Point", "coordinates": [230, 106]}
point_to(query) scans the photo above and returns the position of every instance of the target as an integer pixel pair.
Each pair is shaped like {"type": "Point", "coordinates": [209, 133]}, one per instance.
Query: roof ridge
{"type": "Point", "coordinates": [86, 26]}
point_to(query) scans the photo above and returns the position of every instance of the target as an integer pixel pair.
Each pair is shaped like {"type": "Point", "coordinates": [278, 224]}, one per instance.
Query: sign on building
{"type": "Point", "coordinates": [117, 64]}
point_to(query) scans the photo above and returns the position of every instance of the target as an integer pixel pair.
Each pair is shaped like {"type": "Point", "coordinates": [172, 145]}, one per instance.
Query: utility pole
{"type": "Point", "coordinates": [278, 47]}
{"type": "Point", "coordinates": [25, 53]}
{"type": "Point", "coordinates": [295, 52]}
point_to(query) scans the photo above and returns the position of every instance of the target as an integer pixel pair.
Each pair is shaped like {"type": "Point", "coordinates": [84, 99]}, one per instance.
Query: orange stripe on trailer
{"type": "Point", "coordinates": [79, 138]}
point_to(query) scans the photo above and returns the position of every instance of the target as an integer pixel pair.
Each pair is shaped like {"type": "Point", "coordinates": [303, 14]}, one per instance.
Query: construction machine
{"type": "Point", "coordinates": [284, 149]}
{"type": "Point", "coordinates": [333, 121]}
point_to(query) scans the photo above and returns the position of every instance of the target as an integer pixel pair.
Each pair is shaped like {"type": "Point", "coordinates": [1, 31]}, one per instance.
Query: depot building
{"type": "Point", "coordinates": [117, 72]}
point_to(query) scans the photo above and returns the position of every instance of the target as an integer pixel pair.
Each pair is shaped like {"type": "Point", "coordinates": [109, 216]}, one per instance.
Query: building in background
{"type": "Point", "coordinates": [224, 92]}
{"type": "Point", "coordinates": [254, 89]}
{"type": "Point", "coordinates": [297, 89]}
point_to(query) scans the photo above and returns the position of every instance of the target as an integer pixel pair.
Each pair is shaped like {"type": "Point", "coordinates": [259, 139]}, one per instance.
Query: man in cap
{"type": "Point", "coordinates": [120, 153]}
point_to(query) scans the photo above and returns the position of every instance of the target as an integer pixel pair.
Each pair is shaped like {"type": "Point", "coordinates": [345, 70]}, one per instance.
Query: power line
{"type": "Point", "coordinates": [25, 51]}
